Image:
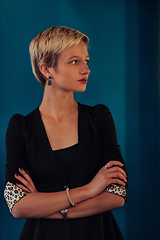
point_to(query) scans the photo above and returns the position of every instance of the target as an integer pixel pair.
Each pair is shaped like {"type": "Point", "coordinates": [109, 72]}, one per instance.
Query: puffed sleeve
{"type": "Point", "coordinates": [110, 150]}
{"type": "Point", "coordinates": [16, 158]}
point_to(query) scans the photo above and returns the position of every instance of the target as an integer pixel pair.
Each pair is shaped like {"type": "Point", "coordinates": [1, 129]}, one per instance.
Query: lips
{"type": "Point", "coordinates": [83, 80]}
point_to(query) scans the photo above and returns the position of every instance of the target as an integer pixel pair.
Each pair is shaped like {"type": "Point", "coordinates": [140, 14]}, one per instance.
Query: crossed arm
{"type": "Point", "coordinates": [90, 199]}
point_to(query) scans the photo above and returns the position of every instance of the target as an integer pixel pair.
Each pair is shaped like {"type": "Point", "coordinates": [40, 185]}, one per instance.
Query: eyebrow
{"type": "Point", "coordinates": [76, 57]}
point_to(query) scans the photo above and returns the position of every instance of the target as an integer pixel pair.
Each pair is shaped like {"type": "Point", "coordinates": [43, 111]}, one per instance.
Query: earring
{"type": "Point", "coordinates": [49, 82]}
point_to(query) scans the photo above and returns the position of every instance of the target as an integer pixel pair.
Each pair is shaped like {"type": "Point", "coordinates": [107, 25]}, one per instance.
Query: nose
{"type": "Point", "coordinates": [85, 69]}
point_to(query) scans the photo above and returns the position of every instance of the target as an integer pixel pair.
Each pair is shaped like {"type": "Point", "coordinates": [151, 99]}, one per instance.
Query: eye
{"type": "Point", "coordinates": [86, 61]}
{"type": "Point", "coordinates": [74, 62]}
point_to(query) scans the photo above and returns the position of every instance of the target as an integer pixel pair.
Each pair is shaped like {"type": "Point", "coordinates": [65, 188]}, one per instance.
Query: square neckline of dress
{"type": "Point", "coordinates": [52, 151]}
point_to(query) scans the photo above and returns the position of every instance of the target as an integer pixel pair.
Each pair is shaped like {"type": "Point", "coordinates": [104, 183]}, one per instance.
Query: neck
{"type": "Point", "coordinates": [57, 104]}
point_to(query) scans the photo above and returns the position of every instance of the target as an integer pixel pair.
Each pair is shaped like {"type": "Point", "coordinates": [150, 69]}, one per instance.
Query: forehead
{"type": "Point", "coordinates": [79, 50]}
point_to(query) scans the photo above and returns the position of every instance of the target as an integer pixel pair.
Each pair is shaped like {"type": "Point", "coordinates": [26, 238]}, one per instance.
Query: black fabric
{"type": "Point", "coordinates": [28, 147]}
{"type": "Point", "coordinates": [65, 158]}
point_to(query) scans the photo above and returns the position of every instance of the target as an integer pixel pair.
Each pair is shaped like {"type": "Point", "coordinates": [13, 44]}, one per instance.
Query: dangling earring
{"type": "Point", "coordinates": [49, 82]}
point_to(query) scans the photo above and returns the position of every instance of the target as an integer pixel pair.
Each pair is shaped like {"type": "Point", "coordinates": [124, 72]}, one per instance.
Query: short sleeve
{"type": "Point", "coordinates": [110, 149]}
{"type": "Point", "coordinates": [16, 158]}
{"type": "Point", "coordinates": [13, 194]}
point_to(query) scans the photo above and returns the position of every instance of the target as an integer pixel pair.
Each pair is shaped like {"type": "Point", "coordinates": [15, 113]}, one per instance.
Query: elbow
{"type": "Point", "coordinates": [120, 202]}
{"type": "Point", "coordinates": [117, 201]}
{"type": "Point", "coordinates": [17, 212]}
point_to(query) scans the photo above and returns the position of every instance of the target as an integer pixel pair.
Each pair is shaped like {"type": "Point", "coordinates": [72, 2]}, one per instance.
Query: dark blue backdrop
{"type": "Point", "coordinates": [124, 76]}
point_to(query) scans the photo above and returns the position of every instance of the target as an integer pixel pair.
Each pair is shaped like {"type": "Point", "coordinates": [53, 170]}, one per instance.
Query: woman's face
{"type": "Point", "coordinates": [71, 72]}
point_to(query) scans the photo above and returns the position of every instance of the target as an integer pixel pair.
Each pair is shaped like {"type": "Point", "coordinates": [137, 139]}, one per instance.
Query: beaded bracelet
{"type": "Point", "coordinates": [69, 198]}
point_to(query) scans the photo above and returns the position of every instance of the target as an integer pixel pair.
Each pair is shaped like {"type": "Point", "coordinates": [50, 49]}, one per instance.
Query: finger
{"type": "Point", "coordinates": [114, 163]}
{"type": "Point", "coordinates": [22, 187]}
{"type": "Point", "coordinates": [117, 181]}
{"type": "Point", "coordinates": [118, 169]}
{"type": "Point", "coordinates": [27, 177]}
{"type": "Point", "coordinates": [24, 182]}
{"type": "Point", "coordinates": [27, 172]}
{"type": "Point", "coordinates": [117, 175]}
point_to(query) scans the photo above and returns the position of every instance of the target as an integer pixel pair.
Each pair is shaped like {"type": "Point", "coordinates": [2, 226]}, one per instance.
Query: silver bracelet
{"type": "Point", "coordinates": [64, 213]}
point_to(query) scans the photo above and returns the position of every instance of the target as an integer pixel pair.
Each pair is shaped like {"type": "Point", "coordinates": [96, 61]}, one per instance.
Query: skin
{"type": "Point", "coordinates": [59, 113]}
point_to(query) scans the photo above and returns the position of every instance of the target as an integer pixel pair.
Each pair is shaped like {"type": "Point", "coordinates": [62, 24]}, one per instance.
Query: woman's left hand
{"type": "Point", "coordinates": [26, 180]}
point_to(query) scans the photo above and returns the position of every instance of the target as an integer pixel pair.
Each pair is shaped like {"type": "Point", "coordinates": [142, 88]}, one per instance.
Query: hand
{"type": "Point", "coordinates": [106, 176]}
{"type": "Point", "coordinates": [26, 180]}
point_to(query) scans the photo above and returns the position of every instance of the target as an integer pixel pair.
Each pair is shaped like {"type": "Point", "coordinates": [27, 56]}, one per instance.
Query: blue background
{"type": "Point", "coordinates": [124, 76]}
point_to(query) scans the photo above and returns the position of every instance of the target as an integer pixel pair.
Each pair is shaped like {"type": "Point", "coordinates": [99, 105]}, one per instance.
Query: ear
{"type": "Point", "coordinates": [45, 70]}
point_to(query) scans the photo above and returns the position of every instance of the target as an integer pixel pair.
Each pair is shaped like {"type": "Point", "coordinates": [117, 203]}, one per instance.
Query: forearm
{"type": "Point", "coordinates": [102, 203]}
{"type": "Point", "coordinates": [40, 205]}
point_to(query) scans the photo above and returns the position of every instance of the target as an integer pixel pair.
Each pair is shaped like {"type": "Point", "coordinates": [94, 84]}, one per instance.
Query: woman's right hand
{"type": "Point", "coordinates": [106, 176]}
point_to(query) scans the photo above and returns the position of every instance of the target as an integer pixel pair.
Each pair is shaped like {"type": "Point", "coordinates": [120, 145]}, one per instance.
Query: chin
{"type": "Point", "coordinates": [81, 89]}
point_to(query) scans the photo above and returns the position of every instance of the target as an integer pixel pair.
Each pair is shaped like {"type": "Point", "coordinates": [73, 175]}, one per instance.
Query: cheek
{"type": "Point", "coordinates": [68, 73]}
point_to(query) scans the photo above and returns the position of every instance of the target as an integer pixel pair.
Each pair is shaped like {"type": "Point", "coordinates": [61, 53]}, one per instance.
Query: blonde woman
{"type": "Point", "coordinates": [64, 171]}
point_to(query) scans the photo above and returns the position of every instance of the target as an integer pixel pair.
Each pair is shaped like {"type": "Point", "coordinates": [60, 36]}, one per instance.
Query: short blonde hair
{"type": "Point", "coordinates": [46, 47]}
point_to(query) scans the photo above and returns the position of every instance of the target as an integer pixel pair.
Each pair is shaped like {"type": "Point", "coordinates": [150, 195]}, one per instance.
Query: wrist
{"type": "Point", "coordinates": [69, 198]}
{"type": "Point", "coordinates": [79, 194]}
{"type": "Point", "coordinates": [85, 192]}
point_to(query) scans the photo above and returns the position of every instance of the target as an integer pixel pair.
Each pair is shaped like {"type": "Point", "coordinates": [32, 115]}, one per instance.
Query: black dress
{"type": "Point", "coordinates": [28, 147]}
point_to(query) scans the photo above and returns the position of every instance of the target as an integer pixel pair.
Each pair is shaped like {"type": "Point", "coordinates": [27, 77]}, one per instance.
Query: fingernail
{"type": "Point", "coordinates": [20, 168]}
{"type": "Point", "coordinates": [16, 174]}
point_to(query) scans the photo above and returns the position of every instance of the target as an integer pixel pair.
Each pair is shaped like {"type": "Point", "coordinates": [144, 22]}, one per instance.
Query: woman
{"type": "Point", "coordinates": [64, 170]}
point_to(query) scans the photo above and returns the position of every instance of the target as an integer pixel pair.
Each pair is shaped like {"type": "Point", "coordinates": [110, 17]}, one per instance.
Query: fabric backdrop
{"type": "Point", "coordinates": [124, 75]}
